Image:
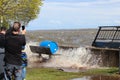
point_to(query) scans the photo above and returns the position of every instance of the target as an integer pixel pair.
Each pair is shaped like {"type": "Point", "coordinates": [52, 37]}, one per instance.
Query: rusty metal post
{"type": "Point", "coordinates": [119, 60]}
{"type": "Point", "coordinates": [96, 36]}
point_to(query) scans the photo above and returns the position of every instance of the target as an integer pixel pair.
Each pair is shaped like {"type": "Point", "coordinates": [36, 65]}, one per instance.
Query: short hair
{"type": "Point", "coordinates": [16, 28]}
{"type": "Point", "coordinates": [17, 23]}
{"type": "Point", "coordinates": [3, 29]}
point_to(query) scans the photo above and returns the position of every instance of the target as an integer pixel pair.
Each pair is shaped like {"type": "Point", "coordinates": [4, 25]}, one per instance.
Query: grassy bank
{"type": "Point", "coordinates": [53, 74]}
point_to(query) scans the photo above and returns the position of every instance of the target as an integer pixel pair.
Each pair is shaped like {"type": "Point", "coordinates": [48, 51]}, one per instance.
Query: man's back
{"type": "Point", "coordinates": [13, 48]}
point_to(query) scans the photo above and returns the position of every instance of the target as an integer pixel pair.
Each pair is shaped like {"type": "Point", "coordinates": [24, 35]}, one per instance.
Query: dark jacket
{"type": "Point", "coordinates": [2, 40]}
{"type": "Point", "coordinates": [13, 48]}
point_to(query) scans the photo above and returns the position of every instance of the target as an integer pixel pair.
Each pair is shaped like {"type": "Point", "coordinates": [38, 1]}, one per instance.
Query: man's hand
{"type": "Point", "coordinates": [24, 32]}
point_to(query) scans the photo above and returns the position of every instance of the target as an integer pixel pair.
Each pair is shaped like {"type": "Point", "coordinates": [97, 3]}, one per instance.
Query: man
{"type": "Point", "coordinates": [2, 50]}
{"type": "Point", "coordinates": [13, 48]}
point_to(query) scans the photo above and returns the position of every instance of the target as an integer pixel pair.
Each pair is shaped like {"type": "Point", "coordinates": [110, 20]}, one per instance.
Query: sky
{"type": "Point", "coordinates": [76, 14]}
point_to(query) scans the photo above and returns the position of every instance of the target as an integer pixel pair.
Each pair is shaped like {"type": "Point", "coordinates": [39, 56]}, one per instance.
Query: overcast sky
{"type": "Point", "coordinates": [76, 14]}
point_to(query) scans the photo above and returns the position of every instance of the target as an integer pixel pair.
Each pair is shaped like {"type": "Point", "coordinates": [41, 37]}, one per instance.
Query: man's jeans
{"type": "Point", "coordinates": [1, 63]}
{"type": "Point", "coordinates": [14, 70]}
{"type": "Point", "coordinates": [1, 60]}
{"type": "Point", "coordinates": [23, 73]}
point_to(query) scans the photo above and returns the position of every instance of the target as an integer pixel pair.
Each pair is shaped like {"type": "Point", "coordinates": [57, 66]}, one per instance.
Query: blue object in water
{"type": "Point", "coordinates": [50, 44]}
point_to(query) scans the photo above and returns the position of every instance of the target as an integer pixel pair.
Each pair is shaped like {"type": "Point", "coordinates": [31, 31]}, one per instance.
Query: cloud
{"type": "Point", "coordinates": [85, 3]}
{"type": "Point", "coordinates": [82, 13]}
{"type": "Point", "coordinates": [99, 7]}
{"type": "Point", "coordinates": [117, 22]}
{"type": "Point", "coordinates": [56, 22]}
{"type": "Point", "coordinates": [104, 2]}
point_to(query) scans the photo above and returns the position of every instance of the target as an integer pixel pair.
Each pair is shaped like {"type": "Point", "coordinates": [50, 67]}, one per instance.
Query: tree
{"type": "Point", "coordinates": [18, 10]}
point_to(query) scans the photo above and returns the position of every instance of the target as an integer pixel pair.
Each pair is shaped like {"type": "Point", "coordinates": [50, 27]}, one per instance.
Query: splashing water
{"type": "Point", "coordinates": [67, 58]}
{"type": "Point", "coordinates": [32, 57]}
{"type": "Point", "coordinates": [73, 58]}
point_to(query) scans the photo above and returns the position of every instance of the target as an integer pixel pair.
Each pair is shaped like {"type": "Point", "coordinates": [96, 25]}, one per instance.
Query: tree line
{"type": "Point", "coordinates": [18, 10]}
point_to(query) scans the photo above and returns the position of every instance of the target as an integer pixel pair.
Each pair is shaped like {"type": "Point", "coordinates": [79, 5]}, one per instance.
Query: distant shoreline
{"type": "Point", "coordinates": [64, 29]}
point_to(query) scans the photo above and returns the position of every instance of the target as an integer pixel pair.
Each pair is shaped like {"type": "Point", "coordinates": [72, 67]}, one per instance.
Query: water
{"type": "Point", "coordinates": [98, 77]}
{"type": "Point", "coordinates": [32, 57]}
{"type": "Point", "coordinates": [79, 58]}
{"type": "Point", "coordinates": [83, 78]}
{"type": "Point", "coordinates": [74, 58]}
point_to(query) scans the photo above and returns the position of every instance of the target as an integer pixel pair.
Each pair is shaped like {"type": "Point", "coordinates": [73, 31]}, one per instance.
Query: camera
{"type": "Point", "coordinates": [23, 27]}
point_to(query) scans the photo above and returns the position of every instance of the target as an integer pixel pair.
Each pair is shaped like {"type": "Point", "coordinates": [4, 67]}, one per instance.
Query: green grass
{"type": "Point", "coordinates": [49, 74]}
{"type": "Point", "coordinates": [53, 74]}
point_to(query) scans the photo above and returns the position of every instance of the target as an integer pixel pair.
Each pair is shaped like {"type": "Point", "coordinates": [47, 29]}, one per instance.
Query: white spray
{"type": "Point", "coordinates": [72, 58]}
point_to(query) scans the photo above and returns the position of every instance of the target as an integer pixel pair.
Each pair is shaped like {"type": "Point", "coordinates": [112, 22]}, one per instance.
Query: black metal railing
{"type": "Point", "coordinates": [107, 36]}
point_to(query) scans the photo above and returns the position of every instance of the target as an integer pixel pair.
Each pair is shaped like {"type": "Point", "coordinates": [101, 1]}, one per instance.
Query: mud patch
{"type": "Point", "coordinates": [71, 70]}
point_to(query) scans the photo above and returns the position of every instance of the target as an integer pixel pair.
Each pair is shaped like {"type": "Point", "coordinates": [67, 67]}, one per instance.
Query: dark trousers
{"type": "Point", "coordinates": [1, 62]}
{"type": "Point", "coordinates": [14, 70]}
